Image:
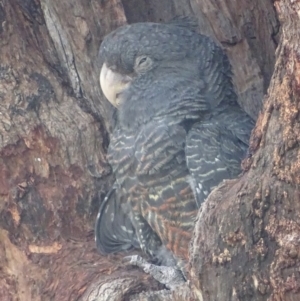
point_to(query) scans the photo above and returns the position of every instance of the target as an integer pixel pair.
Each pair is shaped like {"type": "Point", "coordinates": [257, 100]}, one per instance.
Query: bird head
{"type": "Point", "coordinates": [148, 69]}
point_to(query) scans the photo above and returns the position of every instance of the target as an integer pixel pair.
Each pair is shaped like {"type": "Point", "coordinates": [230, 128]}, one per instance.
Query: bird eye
{"type": "Point", "coordinates": [142, 60]}
{"type": "Point", "coordinates": [142, 64]}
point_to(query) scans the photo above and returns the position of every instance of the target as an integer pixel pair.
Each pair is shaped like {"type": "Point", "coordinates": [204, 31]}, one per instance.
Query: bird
{"type": "Point", "coordinates": [179, 132]}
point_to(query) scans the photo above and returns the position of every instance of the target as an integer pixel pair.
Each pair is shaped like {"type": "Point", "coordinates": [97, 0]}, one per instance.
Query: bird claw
{"type": "Point", "coordinates": [171, 277]}
{"type": "Point", "coordinates": [134, 260]}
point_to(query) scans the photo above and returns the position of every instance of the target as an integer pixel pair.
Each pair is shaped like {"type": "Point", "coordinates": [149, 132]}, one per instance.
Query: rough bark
{"type": "Point", "coordinates": [54, 130]}
{"type": "Point", "coordinates": [256, 254]}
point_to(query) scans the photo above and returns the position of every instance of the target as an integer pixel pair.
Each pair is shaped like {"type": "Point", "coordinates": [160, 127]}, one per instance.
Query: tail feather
{"type": "Point", "coordinates": [114, 231]}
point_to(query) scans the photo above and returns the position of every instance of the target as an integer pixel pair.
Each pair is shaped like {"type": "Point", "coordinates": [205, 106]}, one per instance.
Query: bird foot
{"type": "Point", "coordinates": [171, 277]}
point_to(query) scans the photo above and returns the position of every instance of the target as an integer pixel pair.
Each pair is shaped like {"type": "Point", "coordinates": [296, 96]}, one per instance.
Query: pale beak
{"type": "Point", "coordinates": [113, 84]}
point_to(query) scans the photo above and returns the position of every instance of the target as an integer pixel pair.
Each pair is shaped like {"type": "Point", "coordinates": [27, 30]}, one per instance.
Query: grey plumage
{"type": "Point", "coordinates": [179, 133]}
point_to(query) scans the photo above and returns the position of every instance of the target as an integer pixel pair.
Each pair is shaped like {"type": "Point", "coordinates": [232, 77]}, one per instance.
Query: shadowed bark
{"type": "Point", "coordinates": [54, 131]}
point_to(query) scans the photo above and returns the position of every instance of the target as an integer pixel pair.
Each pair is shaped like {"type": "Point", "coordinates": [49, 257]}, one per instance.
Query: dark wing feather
{"type": "Point", "coordinates": [114, 231]}
{"type": "Point", "coordinates": [152, 202]}
{"type": "Point", "coordinates": [215, 149]}
{"type": "Point", "coordinates": [168, 205]}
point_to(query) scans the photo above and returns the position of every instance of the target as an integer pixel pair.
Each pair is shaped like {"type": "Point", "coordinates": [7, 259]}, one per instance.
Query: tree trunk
{"type": "Point", "coordinates": [54, 131]}
{"type": "Point", "coordinates": [246, 244]}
